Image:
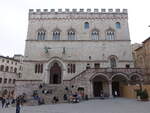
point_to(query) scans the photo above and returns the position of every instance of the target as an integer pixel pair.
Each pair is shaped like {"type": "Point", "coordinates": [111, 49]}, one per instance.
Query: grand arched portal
{"type": "Point", "coordinates": [118, 81]}
{"type": "Point", "coordinates": [100, 85]}
{"type": "Point", "coordinates": [55, 74]}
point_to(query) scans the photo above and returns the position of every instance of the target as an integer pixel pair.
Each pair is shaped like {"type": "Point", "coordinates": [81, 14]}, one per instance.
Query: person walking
{"type": "Point", "coordinates": [3, 102]}
{"type": "Point", "coordinates": [7, 103]}
{"type": "Point", "coordinates": [18, 105]}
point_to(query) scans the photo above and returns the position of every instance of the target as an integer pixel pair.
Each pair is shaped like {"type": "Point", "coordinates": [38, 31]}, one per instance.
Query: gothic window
{"type": "Point", "coordinates": [41, 34]}
{"type": "Point", "coordinates": [118, 25]}
{"type": "Point", "coordinates": [56, 35]}
{"type": "Point", "coordinates": [86, 25]}
{"type": "Point", "coordinates": [110, 35]}
{"type": "Point", "coordinates": [2, 68]}
{"type": "Point", "coordinates": [71, 35]}
{"type": "Point", "coordinates": [7, 69]}
{"type": "Point", "coordinates": [113, 62]}
{"type": "Point", "coordinates": [38, 68]}
{"type": "Point", "coordinates": [95, 35]}
{"type": "Point", "coordinates": [71, 68]}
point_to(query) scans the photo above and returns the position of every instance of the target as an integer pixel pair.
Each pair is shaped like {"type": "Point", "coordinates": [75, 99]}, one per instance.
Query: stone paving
{"type": "Point", "coordinates": [116, 105]}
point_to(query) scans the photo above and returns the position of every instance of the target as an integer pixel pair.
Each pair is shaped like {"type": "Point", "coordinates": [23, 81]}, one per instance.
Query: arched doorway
{"type": "Point", "coordinates": [118, 81]}
{"type": "Point", "coordinates": [55, 74]}
{"type": "Point", "coordinates": [100, 86]}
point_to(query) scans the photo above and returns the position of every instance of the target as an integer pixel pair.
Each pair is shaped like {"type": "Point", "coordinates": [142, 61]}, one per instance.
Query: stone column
{"type": "Point", "coordinates": [128, 82]}
{"type": "Point", "coordinates": [46, 76]}
{"type": "Point", "coordinates": [91, 89]}
{"type": "Point", "coordinates": [110, 89]}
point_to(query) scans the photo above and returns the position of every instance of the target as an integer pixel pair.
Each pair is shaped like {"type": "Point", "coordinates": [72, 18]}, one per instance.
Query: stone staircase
{"type": "Point", "coordinates": [47, 92]}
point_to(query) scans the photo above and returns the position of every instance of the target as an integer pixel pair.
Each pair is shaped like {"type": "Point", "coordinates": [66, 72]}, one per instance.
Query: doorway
{"type": "Point", "coordinates": [55, 74]}
{"type": "Point", "coordinates": [115, 89]}
{"type": "Point", "coordinates": [97, 88]}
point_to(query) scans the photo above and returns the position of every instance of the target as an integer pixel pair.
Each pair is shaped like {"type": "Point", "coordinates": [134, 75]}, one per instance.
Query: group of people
{"type": "Point", "coordinates": [74, 97]}
{"type": "Point", "coordinates": [6, 102]}
{"type": "Point", "coordinates": [55, 100]}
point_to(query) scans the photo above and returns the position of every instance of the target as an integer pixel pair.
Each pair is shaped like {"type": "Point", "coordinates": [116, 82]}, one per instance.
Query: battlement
{"type": "Point", "coordinates": [38, 11]}
{"type": "Point", "coordinates": [78, 14]}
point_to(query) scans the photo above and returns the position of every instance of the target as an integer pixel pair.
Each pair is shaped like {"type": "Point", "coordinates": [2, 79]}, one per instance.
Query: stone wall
{"type": "Point", "coordinates": [129, 91]}
{"type": "Point", "coordinates": [26, 86]}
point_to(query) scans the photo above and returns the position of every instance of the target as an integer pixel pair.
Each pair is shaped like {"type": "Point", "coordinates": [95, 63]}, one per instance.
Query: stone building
{"type": "Point", "coordinates": [10, 71]}
{"type": "Point", "coordinates": [142, 55]}
{"type": "Point", "coordinates": [78, 50]}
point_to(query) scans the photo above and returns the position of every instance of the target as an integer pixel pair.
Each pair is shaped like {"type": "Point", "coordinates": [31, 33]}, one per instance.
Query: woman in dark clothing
{"type": "Point", "coordinates": [18, 105]}
{"type": "Point", "coordinates": [3, 102]}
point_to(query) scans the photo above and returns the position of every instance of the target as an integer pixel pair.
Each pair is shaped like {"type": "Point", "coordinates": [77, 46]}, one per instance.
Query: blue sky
{"type": "Point", "coordinates": [14, 18]}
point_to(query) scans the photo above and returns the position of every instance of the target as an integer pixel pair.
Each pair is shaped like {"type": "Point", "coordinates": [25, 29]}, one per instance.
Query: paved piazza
{"type": "Point", "coordinates": [119, 105]}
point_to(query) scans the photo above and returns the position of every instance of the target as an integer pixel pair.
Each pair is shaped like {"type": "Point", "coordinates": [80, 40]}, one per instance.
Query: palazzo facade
{"type": "Point", "coordinates": [78, 49]}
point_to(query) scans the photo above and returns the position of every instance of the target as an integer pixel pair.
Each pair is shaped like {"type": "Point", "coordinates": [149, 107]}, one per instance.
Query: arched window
{"type": "Point", "coordinates": [5, 81]}
{"type": "Point", "coordinates": [2, 68]}
{"type": "Point", "coordinates": [86, 25]}
{"type": "Point", "coordinates": [118, 25]}
{"type": "Point", "coordinates": [9, 81]}
{"type": "Point", "coordinates": [113, 63]}
{"type": "Point", "coordinates": [71, 34]}
{"type": "Point", "coordinates": [110, 35]}
{"type": "Point", "coordinates": [11, 69]}
{"type": "Point", "coordinates": [56, 35]}
{"type": "Point", "coordinates": [14, 80]}
{"type": "Point", "coordinates": [95, 35]}
{"type": "Point", "coordinates": [41, 34]}
{"type": "Point", "coordinates": [7, 69]}
{"type": "Point", "coordinates": [15, 70]}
